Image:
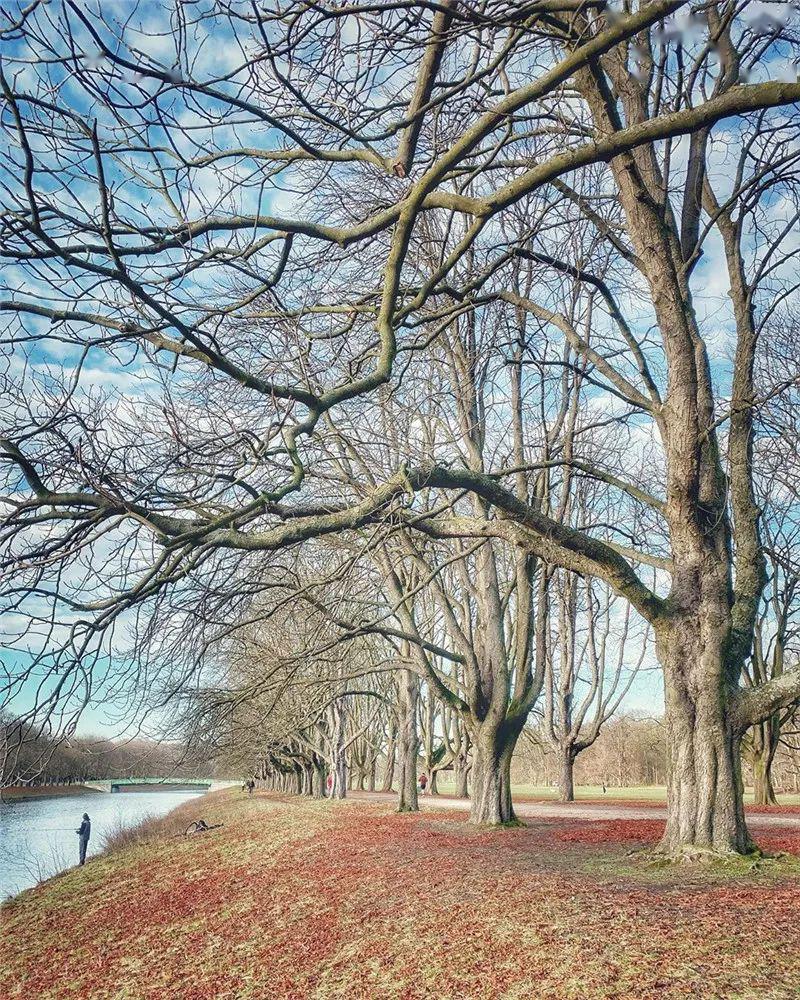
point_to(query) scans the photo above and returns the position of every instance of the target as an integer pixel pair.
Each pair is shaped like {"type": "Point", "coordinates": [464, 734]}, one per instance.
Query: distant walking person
{"type": "Point", "coordinates": [83, 837]}
{"type": "Point", "coordinates": [423, 782]}
{"type": "Point", "coordinates": [251, 786]}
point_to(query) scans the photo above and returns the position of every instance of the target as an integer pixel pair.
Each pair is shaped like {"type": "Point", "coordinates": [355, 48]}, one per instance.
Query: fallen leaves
{"type": "Point", "coordinates": [345, 900]}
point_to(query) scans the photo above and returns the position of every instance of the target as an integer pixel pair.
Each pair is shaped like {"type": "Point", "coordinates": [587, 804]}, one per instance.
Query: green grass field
{"type": "Point", "coordinates": [641, 793]}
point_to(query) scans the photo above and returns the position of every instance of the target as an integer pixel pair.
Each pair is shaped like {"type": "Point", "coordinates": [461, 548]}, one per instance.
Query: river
{"type": "Point", "coordinates": [38, 840]}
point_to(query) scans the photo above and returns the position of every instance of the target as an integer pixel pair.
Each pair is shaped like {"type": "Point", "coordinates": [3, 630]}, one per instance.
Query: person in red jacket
{"type": "Point", "coordinates": [423, 782]}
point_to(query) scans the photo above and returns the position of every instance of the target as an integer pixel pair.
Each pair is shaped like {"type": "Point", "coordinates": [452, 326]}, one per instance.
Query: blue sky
{"type": "Point", "coordinates": [127, 384]}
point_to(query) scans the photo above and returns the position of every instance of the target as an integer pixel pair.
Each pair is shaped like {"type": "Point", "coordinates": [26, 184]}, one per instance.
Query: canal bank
{"type": "Point", "coordinates": [32, 793]}
{"type": "Point", "coordinates": [38, 836]}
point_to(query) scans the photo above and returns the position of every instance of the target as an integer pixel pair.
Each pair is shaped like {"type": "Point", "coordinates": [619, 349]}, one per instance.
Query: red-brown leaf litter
{"type": "Point", "coordinates": [295, 899]}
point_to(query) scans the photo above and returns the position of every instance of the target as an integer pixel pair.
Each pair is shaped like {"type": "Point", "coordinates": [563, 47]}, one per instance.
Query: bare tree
{"type": "Point", "coordinates": [144, 234]}
{"type": "Point", "coordinates": [588, 675]}
{"type": "Point", "coordinates": [776, 646]}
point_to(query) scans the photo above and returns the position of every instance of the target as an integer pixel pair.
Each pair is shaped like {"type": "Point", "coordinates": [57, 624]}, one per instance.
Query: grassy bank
{"type": "Point", "coordinates": [297, 899]}
{"type": "Point", "coordinates": [19, 793]}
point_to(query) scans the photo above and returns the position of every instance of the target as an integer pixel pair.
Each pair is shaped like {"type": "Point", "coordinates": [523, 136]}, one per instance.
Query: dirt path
{"type": "Point", "coordinates": [581, 810]}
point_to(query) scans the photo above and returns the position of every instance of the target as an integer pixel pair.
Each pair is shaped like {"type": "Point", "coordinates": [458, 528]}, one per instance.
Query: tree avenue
{"type": "Point", "coordinates": [404, 314]}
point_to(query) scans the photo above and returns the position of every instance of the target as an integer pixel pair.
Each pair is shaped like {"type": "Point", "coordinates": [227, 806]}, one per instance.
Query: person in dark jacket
{"type": "Point", "coordinates": [83, 837]}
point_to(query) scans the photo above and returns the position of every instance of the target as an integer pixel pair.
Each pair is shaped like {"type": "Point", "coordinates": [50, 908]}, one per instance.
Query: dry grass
{"type": "Point", "coordinates": [154, 829]}
{"type": "Point", "coordinates": [347, 900]}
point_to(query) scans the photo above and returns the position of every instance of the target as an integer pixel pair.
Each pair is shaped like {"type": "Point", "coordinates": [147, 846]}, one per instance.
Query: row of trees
{"type": "Point", "coordinates": [630, 752]}
{"type": "Point", "coordinates": [371, 722]}
{"type": "Point", "coordinates": [395, 322]}
{"type": "Point", "coordinates": [380, 680]}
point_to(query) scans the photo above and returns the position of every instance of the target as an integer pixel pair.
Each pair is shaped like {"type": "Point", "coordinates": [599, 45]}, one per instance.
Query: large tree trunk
{"type": "Point", "coordinates": [705, 809]}
{"type": "Point", "coordinates": [491, 776]}
{"type": "Point", "coordinates": [408, 744]}
{"type": "Point", "coordinates": [566, 780]}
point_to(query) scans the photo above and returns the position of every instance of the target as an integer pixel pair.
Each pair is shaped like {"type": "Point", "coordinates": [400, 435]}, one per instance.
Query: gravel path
{"type": "Point", "coordinates": [580, 810]}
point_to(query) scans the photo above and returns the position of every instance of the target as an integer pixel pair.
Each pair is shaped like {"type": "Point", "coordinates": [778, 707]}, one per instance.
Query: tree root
{"type": "Point", "coordinates": [509, 824]}
{"type": "Point", "coordinates": [754, 860]}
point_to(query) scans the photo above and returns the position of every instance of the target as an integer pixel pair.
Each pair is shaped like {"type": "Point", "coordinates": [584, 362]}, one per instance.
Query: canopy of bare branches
{"type": "Point", "coordinates": [356, 347]}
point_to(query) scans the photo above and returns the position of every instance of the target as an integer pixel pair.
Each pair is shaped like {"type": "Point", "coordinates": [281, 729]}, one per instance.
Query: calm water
{"type": "Point", "coordinates": [37, 839]}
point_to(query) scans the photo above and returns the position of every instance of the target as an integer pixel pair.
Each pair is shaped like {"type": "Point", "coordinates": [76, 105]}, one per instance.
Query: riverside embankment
{"type": "Point", "coordinates": [37, 832]}
{"type": "Point", "coordinates": [301, 899]}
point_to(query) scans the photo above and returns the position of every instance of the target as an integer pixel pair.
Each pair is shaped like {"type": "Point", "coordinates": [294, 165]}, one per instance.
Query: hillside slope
{"type": "Point", "coordinates": [296, 899]}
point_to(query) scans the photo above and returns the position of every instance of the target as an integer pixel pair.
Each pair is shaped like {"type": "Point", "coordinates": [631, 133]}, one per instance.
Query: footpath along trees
{"type": "Point", "coordinates": [289, 704]}
{"type": "Point", "coordinates": [155, 203]}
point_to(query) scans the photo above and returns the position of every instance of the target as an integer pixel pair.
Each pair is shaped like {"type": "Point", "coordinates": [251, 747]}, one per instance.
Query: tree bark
{"type": "Point", "coordinates": [408, 744]}
{"type": "Point", "coordinates": [763, 789]}
{"type": "Point", "coordinates": [388, 775]}
{"type": "Point", "coordinates": [318, 779]}
{"type": "Point", "coordinates": [339, 772]}
{"type": "Point", "coordinates": [764, 744]}
{"type": "Point", "coordinates": [338, 712]}
{"type": "Point", "coordinates": [566, 782]}
{"type": "Point", "coordinates": [461, 775]}
{"type": "Point", "coordinates": [704, 784]}
{"type": "Point", "coordinates": [491, 777]}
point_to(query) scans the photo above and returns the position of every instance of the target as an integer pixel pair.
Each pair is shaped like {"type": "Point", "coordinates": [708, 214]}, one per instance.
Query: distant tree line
{"type": "Point", "coordinates": [29, 758]}
{"type": "Point", "coordinates": [631, 752]}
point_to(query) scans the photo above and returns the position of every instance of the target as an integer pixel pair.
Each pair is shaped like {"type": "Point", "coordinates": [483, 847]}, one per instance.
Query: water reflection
{"type": "Point", "coordinates": [38, 840]}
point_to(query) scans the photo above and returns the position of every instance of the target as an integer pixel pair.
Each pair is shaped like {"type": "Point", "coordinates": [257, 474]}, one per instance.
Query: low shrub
{"type": "Point", "coordinates": [151, 829]}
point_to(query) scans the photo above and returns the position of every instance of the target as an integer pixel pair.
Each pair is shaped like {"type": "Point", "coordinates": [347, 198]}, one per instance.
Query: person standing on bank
{"type": "Point", "coordinates": [83, 837]}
